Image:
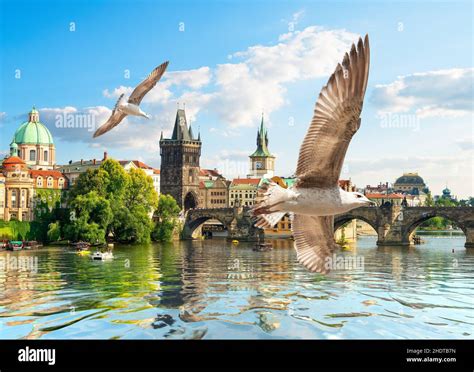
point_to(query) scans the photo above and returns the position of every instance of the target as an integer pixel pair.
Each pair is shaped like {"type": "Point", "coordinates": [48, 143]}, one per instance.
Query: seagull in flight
{"type": "Point", "coordinates": [316, 196]}
{"type": "Point", "coordinates": [131, 106]}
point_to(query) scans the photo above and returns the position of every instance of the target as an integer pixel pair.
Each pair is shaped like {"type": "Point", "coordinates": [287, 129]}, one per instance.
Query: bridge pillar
{"type": "Point", "coordinates": [391, 232]}
{"type": "Point", "coordinates": [469, 231]}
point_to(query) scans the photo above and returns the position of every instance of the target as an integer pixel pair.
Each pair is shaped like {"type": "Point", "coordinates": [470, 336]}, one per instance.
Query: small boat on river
{"type": "Point", "coordinates": [15, 245]}
{"type": "Point", "coordinates": [81, 246]}
{"type": "Point", "coordinates": [32, 244]}
{"type": "Point", "coordinates": [263, 247]}
{"type": "Point", "coordinates": [102, 256]}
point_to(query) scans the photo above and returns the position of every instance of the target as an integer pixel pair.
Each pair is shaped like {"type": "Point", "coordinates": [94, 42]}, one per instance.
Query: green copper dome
{"type": "Point", "coordinates": [33, 132]}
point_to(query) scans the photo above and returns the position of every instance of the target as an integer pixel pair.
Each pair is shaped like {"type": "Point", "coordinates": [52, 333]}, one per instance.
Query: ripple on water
{"type": "Point", "coordinates": [211, 289]}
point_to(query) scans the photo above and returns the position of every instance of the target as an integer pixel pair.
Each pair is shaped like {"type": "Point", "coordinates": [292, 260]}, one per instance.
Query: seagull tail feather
{"type": "Point", "coordinates": [270, 198]}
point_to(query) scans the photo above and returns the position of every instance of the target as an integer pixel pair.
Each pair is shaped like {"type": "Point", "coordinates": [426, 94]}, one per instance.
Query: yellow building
{"type": "Point", "coordinates": [2, 196]}
{"type": "Point", "coordinates": [19, 190]}
{"type": "Point", "coordinates": [244, 190]}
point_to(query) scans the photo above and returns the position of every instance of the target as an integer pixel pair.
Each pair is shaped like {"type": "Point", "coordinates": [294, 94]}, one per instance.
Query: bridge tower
{"type": "Point", "coordinates": [180, 157]}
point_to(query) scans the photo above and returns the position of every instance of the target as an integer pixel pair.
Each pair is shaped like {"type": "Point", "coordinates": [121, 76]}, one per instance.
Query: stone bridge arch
{"type": "Point", "coordinates": [237, 221]}
{"type": "Point", "coordinates": [463, 217]}
{"type": "Point", "coordinates": [370, 215]}
{"type": "Point", "coordinates": [196, 217]}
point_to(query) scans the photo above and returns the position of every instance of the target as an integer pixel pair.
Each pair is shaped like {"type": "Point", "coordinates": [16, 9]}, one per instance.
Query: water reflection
{"type": "Point", "coordinates": [213, 289]}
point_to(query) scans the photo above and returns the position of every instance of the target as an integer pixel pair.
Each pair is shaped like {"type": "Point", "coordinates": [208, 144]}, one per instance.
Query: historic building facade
{"type": "Point", "coordinates": [262, 162]}
{"type": "Point", "coordinates": [33, 143]}
{"type": "Point", "coordinates": [213, 189]}
{"type": "Point", "coordinates": [19, 191]}
{"type": "Point", "coordinates": [243, 191]}
{"type": "Point", "coordinates": [27, 174]}
{"type": "Point", "coordinates": [180, 155]}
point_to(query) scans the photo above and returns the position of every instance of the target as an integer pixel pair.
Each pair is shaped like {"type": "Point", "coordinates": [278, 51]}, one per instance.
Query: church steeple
{"type": "Point", "coordinates": [181, 131]}
{"type": "Point", "coordinates": [262, 141]}
{"type": "Point", "coordinates": [262, 161]}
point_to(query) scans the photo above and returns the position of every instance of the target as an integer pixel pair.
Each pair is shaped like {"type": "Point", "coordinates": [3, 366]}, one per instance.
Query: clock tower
{"type": "Point", "coordinates": [262, 163]}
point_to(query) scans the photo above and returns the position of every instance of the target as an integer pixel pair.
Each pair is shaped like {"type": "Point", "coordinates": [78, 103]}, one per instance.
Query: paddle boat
{"type": "Point", "coordinates": [263, 247]}
{"type": "Point", "coordinates": [15, 245]}
{"type": "Point", "coordinates": [102, 256]}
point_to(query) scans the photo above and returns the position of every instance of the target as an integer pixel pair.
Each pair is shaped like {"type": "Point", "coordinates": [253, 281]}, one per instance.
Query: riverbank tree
{"type": "Point", "coordinates": [166, 219]}
{"type": "Point", "coordinates": [108, 201]}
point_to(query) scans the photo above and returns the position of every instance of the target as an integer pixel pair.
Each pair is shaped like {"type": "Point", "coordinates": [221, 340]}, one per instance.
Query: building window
{"type": "Point", "coordinates": [13, 199]}
{"type": "Point", "coordinates": [45, 155]}
{"type": "Point", "coordinates": [32, 155]}
{"type": "Point", "coordinates": [39, 181]}
{"type": "Point", "coordinates": [19, 153]}
{"type": "Point", "coordinates": [50, 181]}
{"type": "Point", "coordinates": [61, 183]}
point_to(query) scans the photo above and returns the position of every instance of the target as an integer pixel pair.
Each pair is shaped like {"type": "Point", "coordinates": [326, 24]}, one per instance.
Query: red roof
{"type": "Point", "coordinates": [385, 196]}
{"type": "Point", "coordinates": [156, 171]}
{"type": "Point", "coordinates": [138, 163]}
{"type": "Point", "coordinates": [141, 164]}
{"type": "Point", "coordinates": [246, 181]}
{"type": "Point", "coordinates": [46, 173]}
{"type": "Point", "coordinates": [13, 160]}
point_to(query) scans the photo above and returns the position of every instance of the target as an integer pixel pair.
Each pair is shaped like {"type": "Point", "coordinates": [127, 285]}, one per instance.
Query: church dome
{"type": "Point", "coordinates": [410, 179]}
{"type": "Point", "coordinates": [33, 131]}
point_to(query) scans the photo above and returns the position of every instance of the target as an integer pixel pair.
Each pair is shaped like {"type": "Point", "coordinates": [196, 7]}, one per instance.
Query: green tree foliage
{"type": "Point", "coordinates": [110, 200]}
{"type": "Point", "coordinates": [54, 232]}
{"type": "Point", "coordinates": [429, 202]}
{"type": "Point", "coordinates": [166, 217]}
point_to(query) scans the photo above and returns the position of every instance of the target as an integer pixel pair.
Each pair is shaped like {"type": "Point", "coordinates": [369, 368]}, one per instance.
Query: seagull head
{"type": "Point", "coordinates": [361, 200]}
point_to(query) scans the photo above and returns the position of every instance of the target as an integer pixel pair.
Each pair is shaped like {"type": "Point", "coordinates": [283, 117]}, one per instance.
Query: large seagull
{"type": "Point", "coordinates": [316, 196]}
{"type": "Point", "coordinates": [131, 106]}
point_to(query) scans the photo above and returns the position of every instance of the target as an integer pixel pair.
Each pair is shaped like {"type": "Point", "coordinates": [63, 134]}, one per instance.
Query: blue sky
{"type": "Point", "coordinates": [229, 61]}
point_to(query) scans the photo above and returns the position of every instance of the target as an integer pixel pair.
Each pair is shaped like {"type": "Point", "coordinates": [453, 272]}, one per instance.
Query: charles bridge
{"type": "Point", "coordinates": [394, 225]}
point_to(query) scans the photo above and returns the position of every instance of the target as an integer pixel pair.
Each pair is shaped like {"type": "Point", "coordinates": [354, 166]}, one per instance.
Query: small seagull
{"type": "Point", "coordinates": [316, 196]}
{"type": "Point", "coordinates": [131, 107]}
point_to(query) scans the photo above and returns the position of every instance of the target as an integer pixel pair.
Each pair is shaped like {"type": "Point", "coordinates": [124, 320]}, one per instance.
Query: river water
{"type": "Point", "coordinates": [213, 289]}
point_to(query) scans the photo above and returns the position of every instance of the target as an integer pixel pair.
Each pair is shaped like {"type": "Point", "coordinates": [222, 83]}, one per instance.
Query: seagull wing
{"type": "Point", "coordinates": [146, 85]}
{"type": "Point", "coordinates": [114, 119]}
{"type": "Point", "coordinates": [336, 119]}
{"type": "Point", "coordinates": [314, 241]}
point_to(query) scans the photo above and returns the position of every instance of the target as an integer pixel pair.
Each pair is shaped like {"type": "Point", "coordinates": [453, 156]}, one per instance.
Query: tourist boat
{"type": "Point", "coordinates": [15, 245]}
{"type": "Point", "coordinates": [102, 256]}
{"type": "Point", "coordinates": [3, 245]}
{"type": "Point", "coordinates": [80, 246]}
{"type": "Point", "coordinates": [418, 240]}
{"type": "Point", "coordinates": [263, 247]}
{"type": "Point", "coordinates": [31, 244]}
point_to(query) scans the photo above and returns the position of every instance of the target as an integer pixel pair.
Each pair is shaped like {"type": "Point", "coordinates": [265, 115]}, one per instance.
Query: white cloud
{"type": "Point", "coordinates": [259, 80]}
{"type": "Point", "coordinates": [235, 92]}
{"type": "Point", "coordinates": [446, 93]}
{"type": "Point", "coordinates": [466, 144]}
{"type": "Point", "coordinates": [194, 79]}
